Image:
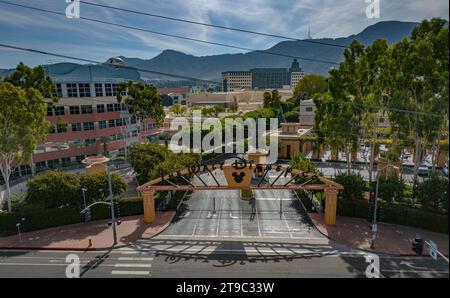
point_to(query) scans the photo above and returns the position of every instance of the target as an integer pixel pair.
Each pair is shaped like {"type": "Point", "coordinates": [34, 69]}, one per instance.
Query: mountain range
{"type": "Point", "coordinates": [210, 67]}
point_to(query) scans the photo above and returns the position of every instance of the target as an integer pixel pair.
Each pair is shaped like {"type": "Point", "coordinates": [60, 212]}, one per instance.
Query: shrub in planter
{"type": "Point", "coordinates": [353, 184]}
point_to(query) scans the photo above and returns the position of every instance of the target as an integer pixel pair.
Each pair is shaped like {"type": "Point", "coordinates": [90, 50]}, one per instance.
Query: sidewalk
{"type": "Point", "coordinates": [394, 239]}
{"type": "Point", "coordinates": [77, 236]}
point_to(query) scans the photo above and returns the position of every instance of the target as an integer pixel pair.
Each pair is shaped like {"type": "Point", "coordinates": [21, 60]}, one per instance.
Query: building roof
{"type": "Point", "coordinates": [182, 90]}
{"type": "Point", "coordinates": [72, 72]}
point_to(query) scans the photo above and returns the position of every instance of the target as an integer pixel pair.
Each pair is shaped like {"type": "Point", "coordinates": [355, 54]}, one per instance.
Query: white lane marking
{"type": "Point", "coordinates": [233, 217]}
{"type": "Point", "coordinates": [118, 272]}
{"type": "Point", "coordinates": [134, 265]}
{"type": "Point", "coordinates": [134, 259]}
{"type": "Point", "coordinates": [415, 271]}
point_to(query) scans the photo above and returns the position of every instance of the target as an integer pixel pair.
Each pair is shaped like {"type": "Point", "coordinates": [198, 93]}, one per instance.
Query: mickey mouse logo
{"type": "Point", "coordinates": [238, 178]}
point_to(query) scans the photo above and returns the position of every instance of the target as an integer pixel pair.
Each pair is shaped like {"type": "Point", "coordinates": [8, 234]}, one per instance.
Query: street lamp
{"type": "Point", "coordinates": [84, 190]}
{"type": "Point", "coordinates": [374, 222]}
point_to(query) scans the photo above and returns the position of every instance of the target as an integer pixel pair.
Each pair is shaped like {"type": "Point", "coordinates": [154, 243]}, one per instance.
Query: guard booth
{"type": "Point", "coordinates": [239, 175]}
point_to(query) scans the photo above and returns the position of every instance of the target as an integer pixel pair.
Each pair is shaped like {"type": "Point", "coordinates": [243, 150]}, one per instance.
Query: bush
{"type": "Point", "coordinates": [390, 188]}
{"type": "Point", "coordinates": [55, 189]}
{"type": "Point", "coordinates": [433, 193]}
{"type": "Point", "coordinates": [246, 194]}
{"type": "Point", "coordinates": [353, 184]}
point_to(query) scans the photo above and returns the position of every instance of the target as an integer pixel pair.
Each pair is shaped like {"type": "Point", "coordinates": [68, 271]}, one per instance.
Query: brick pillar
{"type": "Point", "coordinates": [330, 205]}
{"type": "Point", "coordinates": [149, 206]}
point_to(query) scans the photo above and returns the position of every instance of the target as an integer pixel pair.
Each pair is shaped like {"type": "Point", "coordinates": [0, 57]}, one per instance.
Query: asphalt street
{"type": "Point", "coordinates": [147, 260]}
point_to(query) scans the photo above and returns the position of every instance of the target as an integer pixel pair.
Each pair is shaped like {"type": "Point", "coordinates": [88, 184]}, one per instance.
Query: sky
{"type": "Point", "coordinates": [80, 38]}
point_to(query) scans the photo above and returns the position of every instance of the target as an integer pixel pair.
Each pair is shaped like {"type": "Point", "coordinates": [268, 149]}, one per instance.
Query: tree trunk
{"type": "Point", "coordinates": [8, 193]}
{"type": "Point", "coordinates": [372, 158]}
{"type": "Point", "coordinates": [348, 157]}
{"type": "Point", "coordinates": [417, 153]}
{"type": "Point", "coordinates": [435, 156]}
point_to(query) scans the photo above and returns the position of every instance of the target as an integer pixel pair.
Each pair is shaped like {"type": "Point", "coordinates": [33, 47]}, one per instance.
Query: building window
{"type": "Point", "coordinates": [112, 123]}
{"type": "Point", "coordinates": [114, 89]}
{"type": "Point", "coordinates": [89, 142]}
{"type": "Point", "coordinates": [100, 108]}
{"type": "Point", "coordinates": [76, 126]}
{"type": "Point", "coordinates": [61, 128]}
{"type": "Point", "coordinates": [49, 111]}
{"type": "Point", "coordinates": [117, 107]}
{"type": "Point", "coordinates": [86, 109]}
{"type": "Point", "coordinates": [119, 122]}
{"type": "Point", "coordinates": [88, 126]}
{"type": "Point", "coordinates": [85, 90]}
{"type": "Point", "coordinates": [65, 161]}
{"type": "Point", "coordinates": [58, 92]}
{"type": "Point", "coordinates": [108, 89]}
{"type": "Point", "coordinates": [74, 110]}
{"type": "Point", "coordinates": [72, 90]}
{"type": "Point", "coordinates": [98, 90]}
{"type": "Point", "coordinates": [80, 158]}
{"type": "Point", "coordinates": [309, 109]}
{"type": "Point", "coordinates": [102, 124]}
{"type": "Point", "coordinates": [41, 165]}
{"type": "Point", "coordinates": [133, 120]}
{"type": "Point", "coordinates": [110, 107]}
{"type": "Point", "coordinates": [59, 111]}
{"type": "Point", "coordinates": [53, 163]}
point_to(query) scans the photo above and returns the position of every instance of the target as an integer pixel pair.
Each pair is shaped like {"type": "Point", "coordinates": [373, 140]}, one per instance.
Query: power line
{"type": "Point", "coordinates": [178, 76]}
{"type": "Point", "coordinates": [174, 35]}
{"type": "Point", "coordinates": [98, 62]}
{"type": "Point", "coordinates": [211, 25]}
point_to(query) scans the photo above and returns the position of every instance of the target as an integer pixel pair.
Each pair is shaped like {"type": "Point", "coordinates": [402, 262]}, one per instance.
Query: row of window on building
{"type": "Point", "coordinates": [85, 109]}
{"type": "Point", "coordinates": [84, 89]}
{"type": "Point", "coordinates": [90, 125]}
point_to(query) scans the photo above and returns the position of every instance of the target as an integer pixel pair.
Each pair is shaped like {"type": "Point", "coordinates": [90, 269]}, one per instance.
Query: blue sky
{"type": "Point", "coordinates": [327, 18]}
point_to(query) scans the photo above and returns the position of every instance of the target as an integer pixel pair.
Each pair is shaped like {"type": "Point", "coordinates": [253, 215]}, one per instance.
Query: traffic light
{"type": "Point", "coordinates": [417, 246]}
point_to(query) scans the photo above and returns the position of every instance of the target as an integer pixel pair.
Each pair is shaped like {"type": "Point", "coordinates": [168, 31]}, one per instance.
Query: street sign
{"type": "Point", "coordinates": [433, 250]}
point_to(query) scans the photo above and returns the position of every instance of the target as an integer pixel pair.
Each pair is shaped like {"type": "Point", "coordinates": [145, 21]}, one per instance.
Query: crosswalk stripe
{"type": "Point", "coordinates": [118, 272]}
{"type": "Point", "coordinates": [134, 259]}
{"type": "Point", "coordinates": [134, 265]}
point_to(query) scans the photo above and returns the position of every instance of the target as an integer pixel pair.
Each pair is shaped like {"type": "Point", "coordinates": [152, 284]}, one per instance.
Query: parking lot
{"type": "Point", "coordinates": [209, 213]}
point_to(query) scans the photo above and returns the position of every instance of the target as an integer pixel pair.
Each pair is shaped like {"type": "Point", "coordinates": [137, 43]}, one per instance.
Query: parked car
{"type": "Point", "coordinates": [423, 170]}
{"type": "Point", "coordinates": [445, 170]}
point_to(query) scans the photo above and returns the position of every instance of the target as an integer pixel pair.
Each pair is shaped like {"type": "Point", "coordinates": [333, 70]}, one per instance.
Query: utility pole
{"type": "Point", "coordinates": [111, 201]}
{"type": "Point", "coordinates": [375, 205]}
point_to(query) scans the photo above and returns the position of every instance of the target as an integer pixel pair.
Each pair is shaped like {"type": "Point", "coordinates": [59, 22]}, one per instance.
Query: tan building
{"type": "Point", "coordinates": [289, 139]}
{"type": "Point", "coordinates": [236, 80]}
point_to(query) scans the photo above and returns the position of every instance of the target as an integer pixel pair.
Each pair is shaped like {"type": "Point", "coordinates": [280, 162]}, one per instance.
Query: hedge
{"type": "Point", "coordinates": [47, 218]}
{"type": "Point", "coordinates": [397, 214]}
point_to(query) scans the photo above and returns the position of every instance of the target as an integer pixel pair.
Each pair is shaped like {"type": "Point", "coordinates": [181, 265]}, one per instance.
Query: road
{"type": "Point", "coordinates": [146, 260]}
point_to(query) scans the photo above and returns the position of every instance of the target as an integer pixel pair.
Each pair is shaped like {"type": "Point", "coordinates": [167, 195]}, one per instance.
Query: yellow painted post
{"type": "Point", "coordinates": [149, 206]}
{"type": "Point", "coordinates": [330, 205]}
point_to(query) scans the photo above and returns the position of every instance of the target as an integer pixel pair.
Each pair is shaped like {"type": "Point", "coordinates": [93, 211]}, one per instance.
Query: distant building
{"type": "Point", "coordinates": [177, 95]}
{"type": "Point", "coordinates": [262, 78]}
{"type": "Point", "coordinates": [307, 113]}
{"type": "Point", "coordinates": [88, 120]}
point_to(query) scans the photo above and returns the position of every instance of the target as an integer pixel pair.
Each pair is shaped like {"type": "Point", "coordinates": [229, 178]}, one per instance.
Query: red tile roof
{"type": "Point", "coordinates": [182, 90]}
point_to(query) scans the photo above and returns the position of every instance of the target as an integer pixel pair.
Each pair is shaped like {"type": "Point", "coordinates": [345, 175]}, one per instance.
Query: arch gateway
{"type": "Point", "coordinates": [240, 174]}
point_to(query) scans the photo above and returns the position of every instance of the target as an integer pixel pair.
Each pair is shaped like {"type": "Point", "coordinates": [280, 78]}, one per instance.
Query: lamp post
{"type": "Point", "coordinates": [111, 201]}
{"type": "Point", "coordinates": [375, 205]}
{"type": "Point", "coordinates": [84, 190]}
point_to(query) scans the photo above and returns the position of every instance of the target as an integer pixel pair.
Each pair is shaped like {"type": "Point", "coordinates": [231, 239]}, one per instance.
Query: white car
{"type": "Point", "coordinates": [423, 170]}
{"type": "Point", "coordinates": [445, 170]}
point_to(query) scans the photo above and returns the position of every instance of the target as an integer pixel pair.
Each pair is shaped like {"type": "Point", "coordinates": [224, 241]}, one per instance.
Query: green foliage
{"type": "Point", "coordinates": [213, 111]}
{"type": "Point", "coordinates": [151, 160]}
{"type": "Point", "coordinates": [289, 105]}
{"type": "Point", "coordinates": [300, 162]}
{"type": "Point", "coordinates": [292, 116]}
{"type": "Point", "coordinates": [266, 113]}
{"type": "Point", "coordinates": [272, 99]}
{"type": "Point", "coordinates": [432, 193]}
{"type": "Point", "coordinates": [178, 109]}
{"type": "Point", "coordinates": [246, 193]}
{"type": "Point", "coordinates": [142, 101]}
{"type": "Point", "coordinates": [309, 86]}
{"type": "Point", "coordinates": [53, 189]}
{"type": "Point", "coordinates": [354, 186]}
{"type": "Point", "coordinates": [390, 188]}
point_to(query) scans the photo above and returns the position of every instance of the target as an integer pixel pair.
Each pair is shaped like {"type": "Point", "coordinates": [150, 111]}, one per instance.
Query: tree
{"type": "Point", "coordinates": [22, 128]}
{"type": "Point", "coordinates": [292, 116]}
{"type": "Point", "coordinates": [145, 157]}
{"type": "Point", "coordinates": [177, 109]}
{"type": "Point", "coordinates": [353, 184]}
{"type": "Point", "coordinates": [54, 189]}
{"type": "Point", "coordinates": [300, 162]}
{"type": "Point", "coordinates": [309, 86]}
{"type": "Point", "coordinates": [97, 186]}
{"type": "Point", "coordinates": [272, 99]}
{"type": "Point", "coordinates": [432, 193]}
{"type": "Point", "coordinates": [142, 102]}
